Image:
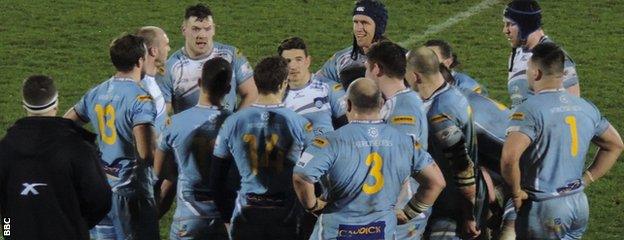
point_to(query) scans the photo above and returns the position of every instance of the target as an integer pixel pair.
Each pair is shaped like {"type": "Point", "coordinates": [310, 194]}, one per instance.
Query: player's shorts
{"type": "Point", "coordinates": [558, 218]}
{"type": "Point", "coordinates": [332, 226]}
{"type": "Point", "coordinates": [414, 229]}
{"type": "Point", "coordinates": [196, 217]}
{"type": "Point", "coordinates": [131, 217]}
{"type": "Point", "coordinates": [265, 217]}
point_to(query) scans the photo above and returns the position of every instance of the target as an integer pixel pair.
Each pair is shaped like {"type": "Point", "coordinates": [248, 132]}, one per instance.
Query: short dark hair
{"type": "Point", "coordinates": [270, 73]}
{"type": "Point", "coordinates": [389, 56]}
{"type": "Point", "coordinates": [445, 49]}
{"type": "Point", "coordinates": [364, 95]}
{"type": "Point", "coordinates": [447, 75]}
{"type": "Point", "coordinates": [200, 11]}
{"type": "Point", "coordinates": [38, 90]}
{"type": "Point", "coordinates": [350, 73]}
{"type": "Point", "coordinates": [549, 58]}
{"type": "Point", "coordinates": [292, 43]}
{"type": "Point", "coordinates": [126, 51]}
{"type": "Point", "coordinates": [215, 79]}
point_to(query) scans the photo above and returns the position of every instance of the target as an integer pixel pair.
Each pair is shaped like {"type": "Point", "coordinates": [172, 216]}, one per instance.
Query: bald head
{"type": "Point", "coordinates": [364, 95]}
{"type": "Point", "coordinates": [424, 61]}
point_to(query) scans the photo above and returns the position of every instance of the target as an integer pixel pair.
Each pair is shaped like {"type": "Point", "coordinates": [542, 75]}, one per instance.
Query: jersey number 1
{"type": "Point", "coordinates": [571, 120]}
{"type": "Point", "coordinates": [106, 119]}
{"type": "Point", "coordinates": [375, 172]}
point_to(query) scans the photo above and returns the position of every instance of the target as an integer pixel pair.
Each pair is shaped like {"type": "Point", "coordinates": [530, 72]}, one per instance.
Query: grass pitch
{"type": "Point", "coordinates": [69, 41]}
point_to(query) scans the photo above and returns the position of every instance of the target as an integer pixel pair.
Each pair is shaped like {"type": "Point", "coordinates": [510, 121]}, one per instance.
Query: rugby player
{"type": "Point", "coordinates": [157, 51]}
{"type": "Point", "coordinates": [402, 109]}
{"type": "Point", "coordinates": [183, 68]}
{"type": "Point", "coordinates": [320, 101]}
{"type": "Point", "coordinates": [362, 167]}
{"type": "Point", "coordinates": [123, 115]}
{"type": "Point", "coordinates": [523, 29]}
{"type": "Point", "coordinates": [369, 25]}
{"type": "Point", "coordinates": [453, 145]}
{"type": "Point", "coordinates": [190, 137]}
{"type": "Point", "coordinates": [265, 141]}
{"type": "Point", "coordinates": [551, 132]}
{"type": "Point", "coordinates": [448, 57]}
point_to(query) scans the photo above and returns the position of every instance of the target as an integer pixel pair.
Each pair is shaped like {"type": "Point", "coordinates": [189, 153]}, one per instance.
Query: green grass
{"type": "Point", "coordinates": [69, 39]}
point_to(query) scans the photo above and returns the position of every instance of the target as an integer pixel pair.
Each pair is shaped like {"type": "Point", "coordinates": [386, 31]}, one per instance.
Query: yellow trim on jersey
{"type": "Point", "coordinates": [308, 127]}
{"type": "Point", "coordinates": [337, 86]}
{"type": "Point", "coordinates": [417, 145]}
{"type": "Point", "coordinates": [144, 98]}
{"type": "Point", "coordinates": [477, 89]}
{"type": "Point", "coordinates": [320, 142]}
{"type": "Point", "coordinates": [517, 116]}
{"type": "Point", "coordinates": [439, 118]}
{"type": "Point", "coordinates": [404, 119]}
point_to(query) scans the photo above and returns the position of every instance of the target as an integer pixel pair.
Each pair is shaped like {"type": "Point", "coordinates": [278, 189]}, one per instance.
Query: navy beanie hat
{"type": "Point", "coordinates": [376, 11]}
{"type": "Point", "coordinates": [527, 14]}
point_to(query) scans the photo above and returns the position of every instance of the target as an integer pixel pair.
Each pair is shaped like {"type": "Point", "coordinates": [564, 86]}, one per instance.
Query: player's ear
{"type": "Point", "coordinates": [538, 74]}
{"type": "Point", "coordinates": [153, 52]}
{"type": "Point", "coordinates": [348, 105]}
{"type": "Point", "coordinates": [377, 71]}
{"type": "Point", "coordinates": [418, 78]}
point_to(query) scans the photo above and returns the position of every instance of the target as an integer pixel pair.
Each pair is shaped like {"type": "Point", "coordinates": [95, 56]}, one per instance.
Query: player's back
{"type": "Point", "coordinates": [406, 112]}
{"type": "Point", "coordinates": [114, 108]}
{"type": "Point", "coordinates": [490, 122]}
{"type": "Point", "coordinates": [265, 141]}
{"type": "Point", "coordinates": [561, 127]}
{"type": "Point", "coordinates": [373, 159]}
{"type": "Point", "coordinates": [191, 136]}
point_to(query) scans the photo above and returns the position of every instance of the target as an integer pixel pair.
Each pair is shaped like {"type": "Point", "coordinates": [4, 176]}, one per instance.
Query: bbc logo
{"type": "Point", "coordinates": [6, 227]}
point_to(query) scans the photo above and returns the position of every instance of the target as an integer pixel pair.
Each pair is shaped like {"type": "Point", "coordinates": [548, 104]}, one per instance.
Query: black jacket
{"type": "Point", "coordinates": [51, 182]}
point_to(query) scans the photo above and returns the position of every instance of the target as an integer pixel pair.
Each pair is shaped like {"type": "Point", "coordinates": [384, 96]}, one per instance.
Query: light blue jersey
{"type": "Point", "coordinates": [361, 166]}
{"type": "Point", "coordinates": [182, 74]}
{"type": "Point", "coordinates": [517, 83]}
{"type": "Point", "coordinates": [449, 109]}
{"type": "Point", "coordinates": [114, 108]}
{"type": "Point", "coordinates": [561, 127]}
{"type": "Point", "coordinates": [319, 101]}
{"type": "Point", "coordinates": [406, 112]}
{"type": "Point", "coordinates": [190, 137]}
{"type": "Point", "coordinates": [339, 61]}
{"type": "Point", "coordinates": [491, 119]}
{"type": "Point", "coordinates": [463, 81]}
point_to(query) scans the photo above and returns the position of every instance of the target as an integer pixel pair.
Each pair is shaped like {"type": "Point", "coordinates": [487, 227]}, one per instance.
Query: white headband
{"type": "Point", "coordinates": [41, 108]}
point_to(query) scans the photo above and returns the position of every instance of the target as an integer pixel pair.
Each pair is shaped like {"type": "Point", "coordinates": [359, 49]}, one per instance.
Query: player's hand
{"type": "Point", "coordinates": [470, 229]}
{"type": "Point", "coordinates": [318, 207]}
{"type": "Point", "coordinates": [518, 198]}
{"type": "Point", "coordinates": [401, 217]}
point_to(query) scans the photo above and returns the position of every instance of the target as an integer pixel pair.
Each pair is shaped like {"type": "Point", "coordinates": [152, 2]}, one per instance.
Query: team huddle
{"type": "Point", "coordinates": [383, 142]}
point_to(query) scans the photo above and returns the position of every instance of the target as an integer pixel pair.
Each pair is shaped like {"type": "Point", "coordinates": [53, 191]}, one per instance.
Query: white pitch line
{"type": "Point", "coordinates": [485, 4]}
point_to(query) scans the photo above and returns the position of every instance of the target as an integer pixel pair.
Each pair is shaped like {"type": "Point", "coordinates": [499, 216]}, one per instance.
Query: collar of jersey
{"type": "Point", "coordinates": [268, 106]}
{"type": "Point", "coordinates": [198, 59]}
{"type": "Point", "coordinates": [400, 92]}
{"type": "Point", "coordinates": [367, 121]}
{"type": "Point", "coordinates": [304, 86]}
{"type": "Point", "coordinates": [123, 79]}
{"type": "Point", "coordinates": [208, 107]}
{"type": "Point", "coordinates": [439, 91]}
{"type": "Point", "coordinates": [551, 90]}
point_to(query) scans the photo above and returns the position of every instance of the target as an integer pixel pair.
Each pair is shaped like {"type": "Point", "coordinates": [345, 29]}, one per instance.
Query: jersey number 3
{"type": "Point", "coordinates": [376, 161]}
{"type": "Point", "coordinates": [106, 119]}
{"type": "Point", "coordinates": [571, 120]}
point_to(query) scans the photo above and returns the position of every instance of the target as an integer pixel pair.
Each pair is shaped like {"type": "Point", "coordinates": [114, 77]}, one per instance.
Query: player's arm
{"type": "Point", "coordinates": [574, 90]}
{"type": "Point", "coordinates": [515, 144]}
{"type": "Point", "coordinates": [165, 188]}
{"type": "Point", "coordinates": [247, 92]}
{"type": "Point", "coordinates": [570, 77]}
{"type": "Point", "coordinates": [72, 115]}
{"type": "Point", "coordinates": [610, 147]}
{"type": "Point", "coordinates": [144, 143]}
{"type": "Point", "coordinates": [312, 164]}
{"type": "Point", "coordinates": [93, 191]}
{"type": "Point", "coordinates": [431, 183]}
{"type": "Point", "coordinates": [305, 191]}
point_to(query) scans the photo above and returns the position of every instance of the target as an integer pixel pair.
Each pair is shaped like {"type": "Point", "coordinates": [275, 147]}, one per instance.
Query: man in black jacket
{"type": "Point", "coordinates": [51, 182]}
